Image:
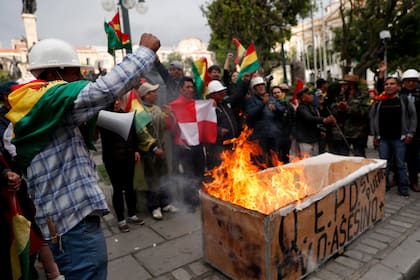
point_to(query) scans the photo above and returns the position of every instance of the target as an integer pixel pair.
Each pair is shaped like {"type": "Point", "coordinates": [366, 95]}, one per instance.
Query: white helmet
{"type": "Point", "coordinates": [256, 81]}
{"type": "Point", "coordinates": [410, 74]}
{"type": "Point", "coordinates": [51, 53]}
{"type": "Point", "coordinates": [215, 86]}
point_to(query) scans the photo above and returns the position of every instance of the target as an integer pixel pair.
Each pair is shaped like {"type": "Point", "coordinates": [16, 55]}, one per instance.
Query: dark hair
{"type": "Point", "coordinates": [303, 91]}
{"type": "Point", "coordinates": [185, 79]}
{"type": "Point", "coordinates": [214, 67]}
{"type": "Point", "coordinates": [390, 77]}
{"type": "Point", "coordinates": [320, 82]}
{"type": "Point", "coordinates": [274, 87]}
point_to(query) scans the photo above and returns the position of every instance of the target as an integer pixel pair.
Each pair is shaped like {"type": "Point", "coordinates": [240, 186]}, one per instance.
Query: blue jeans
{"type": "Point", "coordinates": [395, 149]}
{"type": "Point", "coordinates": [81, 253]}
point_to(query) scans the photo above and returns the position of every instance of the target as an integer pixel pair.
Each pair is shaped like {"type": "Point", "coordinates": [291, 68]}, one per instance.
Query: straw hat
{"type": "Point", "coordinates": [350, 78]}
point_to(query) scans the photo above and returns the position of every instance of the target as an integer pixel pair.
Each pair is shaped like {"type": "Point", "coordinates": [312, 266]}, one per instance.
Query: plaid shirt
{"type": "Point", "coordinates": [62, 177]}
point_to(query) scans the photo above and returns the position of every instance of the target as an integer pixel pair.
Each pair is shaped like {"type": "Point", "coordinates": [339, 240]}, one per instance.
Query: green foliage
{"type": "Point", "coordinates": [358, 39]}
{"type": "Point", "coordinates": [172, 57]}
{"type": "Point", "coordinates": [252, 21]}
{"type": "Point", "coordinates": [4, 76]}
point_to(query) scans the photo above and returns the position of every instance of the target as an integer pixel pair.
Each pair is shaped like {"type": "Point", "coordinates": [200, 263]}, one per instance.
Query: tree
{"type": "Point", "coordinates": [252, 21]}
{"type": "Point", "coordinates": [358, 39]}
{"type": "Point", "coordinates": [172, 57]}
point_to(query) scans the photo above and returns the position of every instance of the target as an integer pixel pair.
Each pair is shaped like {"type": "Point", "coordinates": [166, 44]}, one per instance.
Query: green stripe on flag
{"type": "Point", "coordinates": [199, 82]}
{"type": "Point", "coordinates": [114, 43]}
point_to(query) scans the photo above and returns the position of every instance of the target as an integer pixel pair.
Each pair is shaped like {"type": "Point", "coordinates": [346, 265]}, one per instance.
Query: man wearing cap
{"type": "Point", "coordinates": [262, 113]}
{"type": "Point", "coordinates": [153, 158]}
{"type": "Point", "coordinates": [171, 76]}
{"type": "Point", "coordinates": [352, 113]}
{"type": "Point", "coordinates": [227, 127]}
{"type": "Point", "coordinates": [46, 115]}
{"type": "Point", "coordinates": [309, 124]}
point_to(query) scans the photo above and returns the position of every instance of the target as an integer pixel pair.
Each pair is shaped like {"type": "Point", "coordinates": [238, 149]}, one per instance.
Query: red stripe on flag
{"type": "Point", "coordinates": [299, 86]}
{"type": "Point", "coordinates": [115, 24]}
{"type": "Point", "coordinates": [130, 98]}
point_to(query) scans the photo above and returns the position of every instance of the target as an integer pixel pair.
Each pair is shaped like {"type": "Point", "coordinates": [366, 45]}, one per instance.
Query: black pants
{"type": "Point", "coordinates": [121, 174]}
{"type": "Point", "coordinates": [155, 174]}
{"type": "Point", "coordinates": [192, 160]}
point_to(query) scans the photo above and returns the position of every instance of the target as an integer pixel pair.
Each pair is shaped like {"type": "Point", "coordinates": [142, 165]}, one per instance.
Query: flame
{"type": "Point", "coordinates": [239, 180]}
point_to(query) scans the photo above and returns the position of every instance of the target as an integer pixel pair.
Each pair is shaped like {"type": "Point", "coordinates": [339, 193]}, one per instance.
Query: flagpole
{"type": "Point", "coordinates": [126, 23]}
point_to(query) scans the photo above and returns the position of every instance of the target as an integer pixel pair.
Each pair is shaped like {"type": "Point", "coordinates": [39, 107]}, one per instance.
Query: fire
{"type": "Point", "coordinates": [239, 181]}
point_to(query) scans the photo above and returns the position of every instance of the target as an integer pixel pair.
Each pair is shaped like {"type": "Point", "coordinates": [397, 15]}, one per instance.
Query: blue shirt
{"type": "Point", "coordinates": [62, 177]}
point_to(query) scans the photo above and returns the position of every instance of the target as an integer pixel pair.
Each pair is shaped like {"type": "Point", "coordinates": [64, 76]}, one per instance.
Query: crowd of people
{"type": "Point", "coordinates": [48, 126]}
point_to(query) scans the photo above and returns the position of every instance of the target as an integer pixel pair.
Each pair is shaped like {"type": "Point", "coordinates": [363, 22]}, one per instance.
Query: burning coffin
{"type": "Point", "coordinates": [335, 200]}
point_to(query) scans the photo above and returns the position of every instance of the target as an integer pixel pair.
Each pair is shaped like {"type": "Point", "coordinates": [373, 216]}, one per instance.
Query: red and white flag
{"type": "Point", "coordinates": [197, 121]}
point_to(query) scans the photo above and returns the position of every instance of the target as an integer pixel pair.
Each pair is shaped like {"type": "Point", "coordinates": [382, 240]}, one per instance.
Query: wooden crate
{"type": "Point", "coordinates": [289, 243]}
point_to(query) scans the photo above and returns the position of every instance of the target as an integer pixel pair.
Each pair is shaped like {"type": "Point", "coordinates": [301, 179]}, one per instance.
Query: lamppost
{"type": "Point", "coordinates": [276, 28]}
{"type": "Point", "coordinates": [125, 5]}
{"type": "Point", "coordinates": [385, 35]}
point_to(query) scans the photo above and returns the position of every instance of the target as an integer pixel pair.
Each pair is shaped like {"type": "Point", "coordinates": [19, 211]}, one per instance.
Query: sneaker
{"type": "Point", "coordinates": [170, 208]}
{"type": "Point", "coordinates": [135, 220]}
{"type": "Point", "coordinates": [123, 227]}
{"type": "Point", "coordinates": [157, 214]}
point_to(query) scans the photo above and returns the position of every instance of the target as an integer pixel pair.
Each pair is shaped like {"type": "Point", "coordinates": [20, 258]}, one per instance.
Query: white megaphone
{"type": "Point", "coordinates": [119, 123]}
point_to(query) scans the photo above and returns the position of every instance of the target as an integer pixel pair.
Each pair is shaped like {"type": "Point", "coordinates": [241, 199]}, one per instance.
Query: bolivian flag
{"type": "Point", "coordinates": [142, 117]}
{"type": "Point", "coordinates": [249, 62]}
{"type": "Point", "coordinates": [201, 76]}
{"type": "Point", "coordinates": [37, 109]}
{"type": "Point", "coordinates": [240, 51]}
{"type": "Point", "coordinates": [20, 243]}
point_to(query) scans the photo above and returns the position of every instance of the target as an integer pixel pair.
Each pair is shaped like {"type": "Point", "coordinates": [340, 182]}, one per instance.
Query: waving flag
{"type": "Point", "coordinates": [19, 250]}
{"type": "Point", "coordinates": [114, 42]}
{"type": "Point", "coordinates": [115, 24]}
{"type": "Point", "coordinates": [197, 121]}
{"type": "Point", "coordinates": [299, 86]}
{"type": "Point", "coordinates": [125, 41]}
{"type": "Point", "coordinates": [240, 51]}
{"type": "Point", "coordinates": [201, 76]}
{"type": "Point", "coordinates": [249, 63]}
{"type": "Point", "coordinates": [131, 102]}
{"type": "Point", "coordinates": [116, 38]}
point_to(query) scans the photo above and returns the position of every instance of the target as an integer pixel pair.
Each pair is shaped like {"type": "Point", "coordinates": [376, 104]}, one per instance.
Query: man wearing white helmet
{"type": "Point", "coordinates": [262, 113]}
{"type": "Point", "coordinates": [411, 90]}
{"type": "Point", "coordinates": [46, 115]}
{"type": "Point", "coordinates": [227, 127]}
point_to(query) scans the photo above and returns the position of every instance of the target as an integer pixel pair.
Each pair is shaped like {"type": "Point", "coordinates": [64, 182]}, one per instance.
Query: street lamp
{"type": "Point", "coordinates": [385, 35]}
{"type": "Point", "coordinates": [125, 5]}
